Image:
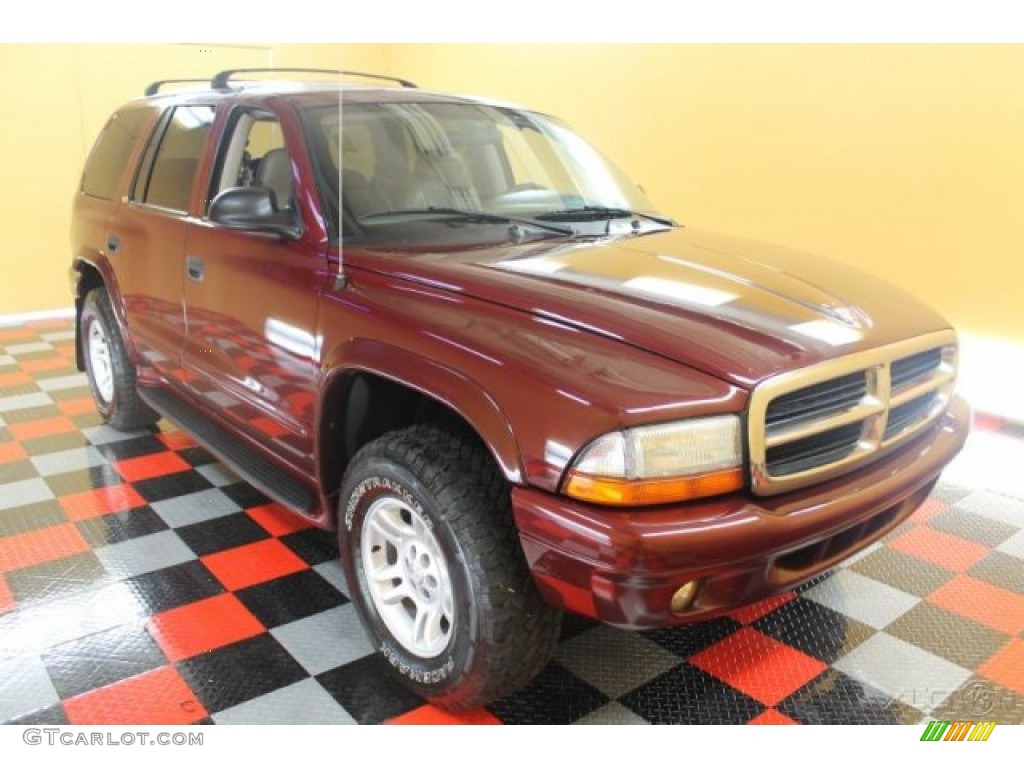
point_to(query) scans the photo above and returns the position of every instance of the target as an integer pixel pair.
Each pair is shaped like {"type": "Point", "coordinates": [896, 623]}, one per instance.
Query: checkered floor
{"type": "Point", "coordinates": [142, 582]}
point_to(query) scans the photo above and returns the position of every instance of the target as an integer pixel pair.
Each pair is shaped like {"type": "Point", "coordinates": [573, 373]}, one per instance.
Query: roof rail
{"type": "Point", "coordinates": [153, 88]}
{"type": "Point", "coordinates": [221, 79]}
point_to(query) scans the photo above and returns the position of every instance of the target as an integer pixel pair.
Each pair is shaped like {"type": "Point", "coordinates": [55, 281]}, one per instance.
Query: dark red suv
{"type": "Point", "coordinates": [455, 332]}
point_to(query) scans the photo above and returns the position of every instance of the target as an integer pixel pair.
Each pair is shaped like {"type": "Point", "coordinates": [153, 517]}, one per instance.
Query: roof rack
{"type": "Point", "coordinates": [153, 88]}
{"type": "Point", "coordinates": [221, 79]}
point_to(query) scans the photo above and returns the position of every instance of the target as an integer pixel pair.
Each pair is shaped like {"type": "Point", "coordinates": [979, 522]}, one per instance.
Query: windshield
{"type": "Point", "coordinates": [406, 171]}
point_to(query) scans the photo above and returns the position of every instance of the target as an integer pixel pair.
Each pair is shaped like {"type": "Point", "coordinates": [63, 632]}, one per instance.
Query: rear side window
{"type": "Point", "coordinates": [110, 154]}
{"type": "Point", "coordinates": [168, 173]}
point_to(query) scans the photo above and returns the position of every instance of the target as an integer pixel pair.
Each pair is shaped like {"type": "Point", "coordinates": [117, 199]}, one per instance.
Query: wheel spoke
{"type": "Point", "coordinates": [396, 594]}
{"type": "Point", "coordinates": [386, 573]}
{"type": "Point", "coordinates": [427, 627]}
{"type": "Point", "coordinates": [387, 528]}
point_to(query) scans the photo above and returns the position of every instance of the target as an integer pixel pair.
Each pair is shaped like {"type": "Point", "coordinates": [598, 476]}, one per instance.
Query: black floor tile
{"type": "Point", "coordinates": [221, 533]}
{"type": "Point", "coordinates": [197, 456]}
{"type": "Point", "coordinates": [40, 446]}
{"type": "Point", "coordinates": [168, 486]}
{"type": "Point", "coordinates": [48, 581]}
{"type": "Point", "coordinates": [834, 698]}
{"type": "Point", "coordinates": [687, 695]}
{"type": "Point", "coordinates": [84, 480]}
{"type": "Point", "coordinates": [245, 495]}
{"type": "Point", "coordinates": [368, 691]}
{"type": "Point", "coordinates": [31, 517]}
{"type": "Point", "coordinates": [132, 447]}
{"type": "Point", "coordinates": [290, 598]}
{"type": "Point", "coordinates": [968, 525]}
{"type": "Point", "coordinates": [982, 699]}
{"type": "Point", "coordinates": [13, 471]}
{"type": "Point", "coordinates": [313, 545]}
{"type": "Point", "coordinates": [49, 716]}
{"type": "Point", "coordinates": [690, 639]}
{"type": "Point", "coordinates": [555, 697]}
{"type": "Point", "coordinates": [239, 672]}
{"type": "Point", "coordinates": [101, 659]}
{"type": "Point", "coordinates": [173, 587]}
{"type": "Point", "coordinates": [814, 629]}
{"type": "Point", "coordinates": [26, 415]}
{"type": "Point", "coordinates": [121, 526]}
{"type": "Point", "coordinates": [1002, 570]}
{"type": "Point", "coordinates": [909, 574]}
{"type": "Point", "coordinates": [960, 640]}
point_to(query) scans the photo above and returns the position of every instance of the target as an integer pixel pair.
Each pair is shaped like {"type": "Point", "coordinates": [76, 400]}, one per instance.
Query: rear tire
{"type": "Point", "coordinates": [437, 572]}
{"type": "Point", "coordinates": [110, 371]}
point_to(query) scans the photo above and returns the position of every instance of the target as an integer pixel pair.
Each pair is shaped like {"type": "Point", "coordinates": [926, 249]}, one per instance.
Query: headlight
{"type": "Point", "coordinates": [660, 463]}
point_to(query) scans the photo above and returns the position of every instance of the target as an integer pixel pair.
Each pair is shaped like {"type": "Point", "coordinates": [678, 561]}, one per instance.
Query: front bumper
{"type": "Point", "coordinates": [622, 567]}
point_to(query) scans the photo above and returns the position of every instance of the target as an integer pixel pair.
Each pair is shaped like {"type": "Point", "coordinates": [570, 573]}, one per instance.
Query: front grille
{"type": "Point", "coordinates": [820, 422]}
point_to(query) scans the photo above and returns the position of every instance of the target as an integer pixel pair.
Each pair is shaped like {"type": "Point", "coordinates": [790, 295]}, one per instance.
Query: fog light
{"type": "Point", "coordinates": [683, 597]}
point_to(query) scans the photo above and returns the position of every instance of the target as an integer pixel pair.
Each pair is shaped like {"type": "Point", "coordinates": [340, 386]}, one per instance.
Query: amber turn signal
{"type": "Point", "coordinates": [620, 492]}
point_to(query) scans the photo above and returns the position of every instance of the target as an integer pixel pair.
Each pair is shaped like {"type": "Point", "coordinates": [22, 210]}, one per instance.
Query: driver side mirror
{"type": "Point", "coordinates": [253, 209]}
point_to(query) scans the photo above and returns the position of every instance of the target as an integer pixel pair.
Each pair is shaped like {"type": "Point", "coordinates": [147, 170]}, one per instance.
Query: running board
{"type": "Point", "coordinates": [251, 467]}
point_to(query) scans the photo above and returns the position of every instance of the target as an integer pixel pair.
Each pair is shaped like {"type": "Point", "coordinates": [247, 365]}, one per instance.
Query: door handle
{"type": "Point", "coordinates": [113, 244]}
{"type": "Point", "coordinates": [194, 268]}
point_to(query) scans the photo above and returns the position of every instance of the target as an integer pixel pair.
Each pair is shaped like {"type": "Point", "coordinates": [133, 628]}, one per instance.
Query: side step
{"type": "Point", "coordinates": [253, 468]}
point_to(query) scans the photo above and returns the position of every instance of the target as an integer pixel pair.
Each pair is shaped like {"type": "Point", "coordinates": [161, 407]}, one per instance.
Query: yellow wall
{"type": "Point", "coordinates": [906, 160]}
{"type": "Point", "coordinates": [55, 100]}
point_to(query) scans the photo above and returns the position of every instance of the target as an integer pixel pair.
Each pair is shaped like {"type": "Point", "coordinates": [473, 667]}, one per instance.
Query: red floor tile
{"type": "Point", "coordinates": [772, 717]}
{"type": "Point", "coordinates": [985, 603]}
{"type": "Point", "coordinates": [101, 501]}
{"type": "Point", "coordinates": [276, 520]}
{"type": "Point", "coordinates": [47, 323]}
{"type": "Point", "coordinates": [154, 465]}
{"type": "Point", "coordinates": [988, 422]}
{"type": "Point", "coordinates": [940, 548]}
{"type": "Point", "coordinates": [759, 665]}
{"type": "Point", "coordinates": [14, 335]}
{"type": "Point", "coordinates": [6, 597]}
{"type": "Point", "coordinates": [12, 379]}
{"type": "Point", "coordinates": [40, 546]}
{"type": "Point", "coordinates": [65, 350]}
{"type": "Point", "coordinates": [748, 614]}
{"type": "Point", "coordinates": [77, 407]}
{"type": "Point", "coordinates": [203, 626]}
{"type": "Point", "coordinates": [244, 566]}
{"type": "Point", "coordinates": [176, 440]}
{"type": "Point", "coordinates": [42, 428]}
{"type": "Point", "coordinates": [11, 452]}
{"type": "Point", "coordinates": [929, 509]}
{"type": "Point", "coordinates": [1006, 667]}
{"type": "Point", "coordinates": [159, 697]}
{"type": "Point", "coordinates": [431, 715]}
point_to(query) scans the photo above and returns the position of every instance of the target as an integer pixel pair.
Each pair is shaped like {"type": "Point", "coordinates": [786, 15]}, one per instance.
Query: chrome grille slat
{"type": "Point", "coordinates": [817, 423]}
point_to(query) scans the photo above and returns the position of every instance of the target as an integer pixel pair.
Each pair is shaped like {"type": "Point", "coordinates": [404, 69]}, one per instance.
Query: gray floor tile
{"type": "Point", "coordinates": [903, 671]}
{"type": "Point", "coordinates": [144, 554]}
{"type": "Point", "coordinates": [996, 506]}
{"type": "Point", "coordinates": [103, 434]}
{"type": "Point", "coordinates": [68, 461]}
{"type": "Point", "coordinates": [613, 660]}
{"type": "Point", "coordinates": [21, 402]}
{"type": "Point", "coordinates": [7, 360]}
{"type": "Point", "coordinates": [195, 507]}
{"type": "Point", "coordinates": [326, 640]}
{"type": "Point", "coordinates": [1013, 546]}
{"type": "Point", "coordinates": [32, 346]}
{"type": "Point", "coordinates": [62, 382]}
{"type": "Point", "coordinates": [52, 336]}
{"type": "Point", "coordinates": [302, 703]}
{"type": "Point", "coordinates": [24, 686]}
{"type": "Point", "coordinates": [218, 474]}
{"type": "Point", "coordinates": [331, 570]}
{"type": "Point", "coordinates": [866, 600]}
{"type": "Point", "coordinates": [612, 713]}
{"type": "Point", "coordinates": [24, 492]}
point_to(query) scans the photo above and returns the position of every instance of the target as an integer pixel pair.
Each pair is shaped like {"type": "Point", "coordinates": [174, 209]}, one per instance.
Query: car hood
{"type": "Point", "coordinates": [737, 309]}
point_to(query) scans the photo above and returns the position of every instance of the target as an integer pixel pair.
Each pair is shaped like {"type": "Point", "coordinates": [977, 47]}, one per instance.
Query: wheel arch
{"type": "Point", "coordinates": [378, 388]}
{"type": "Point", "coordinates": [86, 275]}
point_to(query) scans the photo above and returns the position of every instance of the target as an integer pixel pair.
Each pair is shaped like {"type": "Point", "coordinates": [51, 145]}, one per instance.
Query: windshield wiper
{"type": "Point", "coordinates": [601, 212]}
{"type": "Point", "coordinates": [471, 215]}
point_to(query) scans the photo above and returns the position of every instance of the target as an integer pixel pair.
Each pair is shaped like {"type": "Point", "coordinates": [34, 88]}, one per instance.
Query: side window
{"type": "Point", "coordinates": [255, 156]}
{"type": "Point", "coordinates": [110, 154]}
{"type": "Point", "coordinates": [167, 181]}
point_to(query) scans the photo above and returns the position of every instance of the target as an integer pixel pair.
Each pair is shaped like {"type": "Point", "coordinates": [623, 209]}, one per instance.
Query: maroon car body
{"type": "Point", "coordinates": [303, 348]}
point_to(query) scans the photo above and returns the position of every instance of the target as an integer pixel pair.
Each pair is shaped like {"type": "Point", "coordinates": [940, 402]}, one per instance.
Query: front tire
{"type": "Point", "coordinates": [110, 371]}
{"type": "Point", "coordinates": [437, 572]}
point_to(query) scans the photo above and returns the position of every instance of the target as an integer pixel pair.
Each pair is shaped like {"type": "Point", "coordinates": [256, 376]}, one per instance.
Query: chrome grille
{"type": "Point", "coordinates": [820, 422]}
